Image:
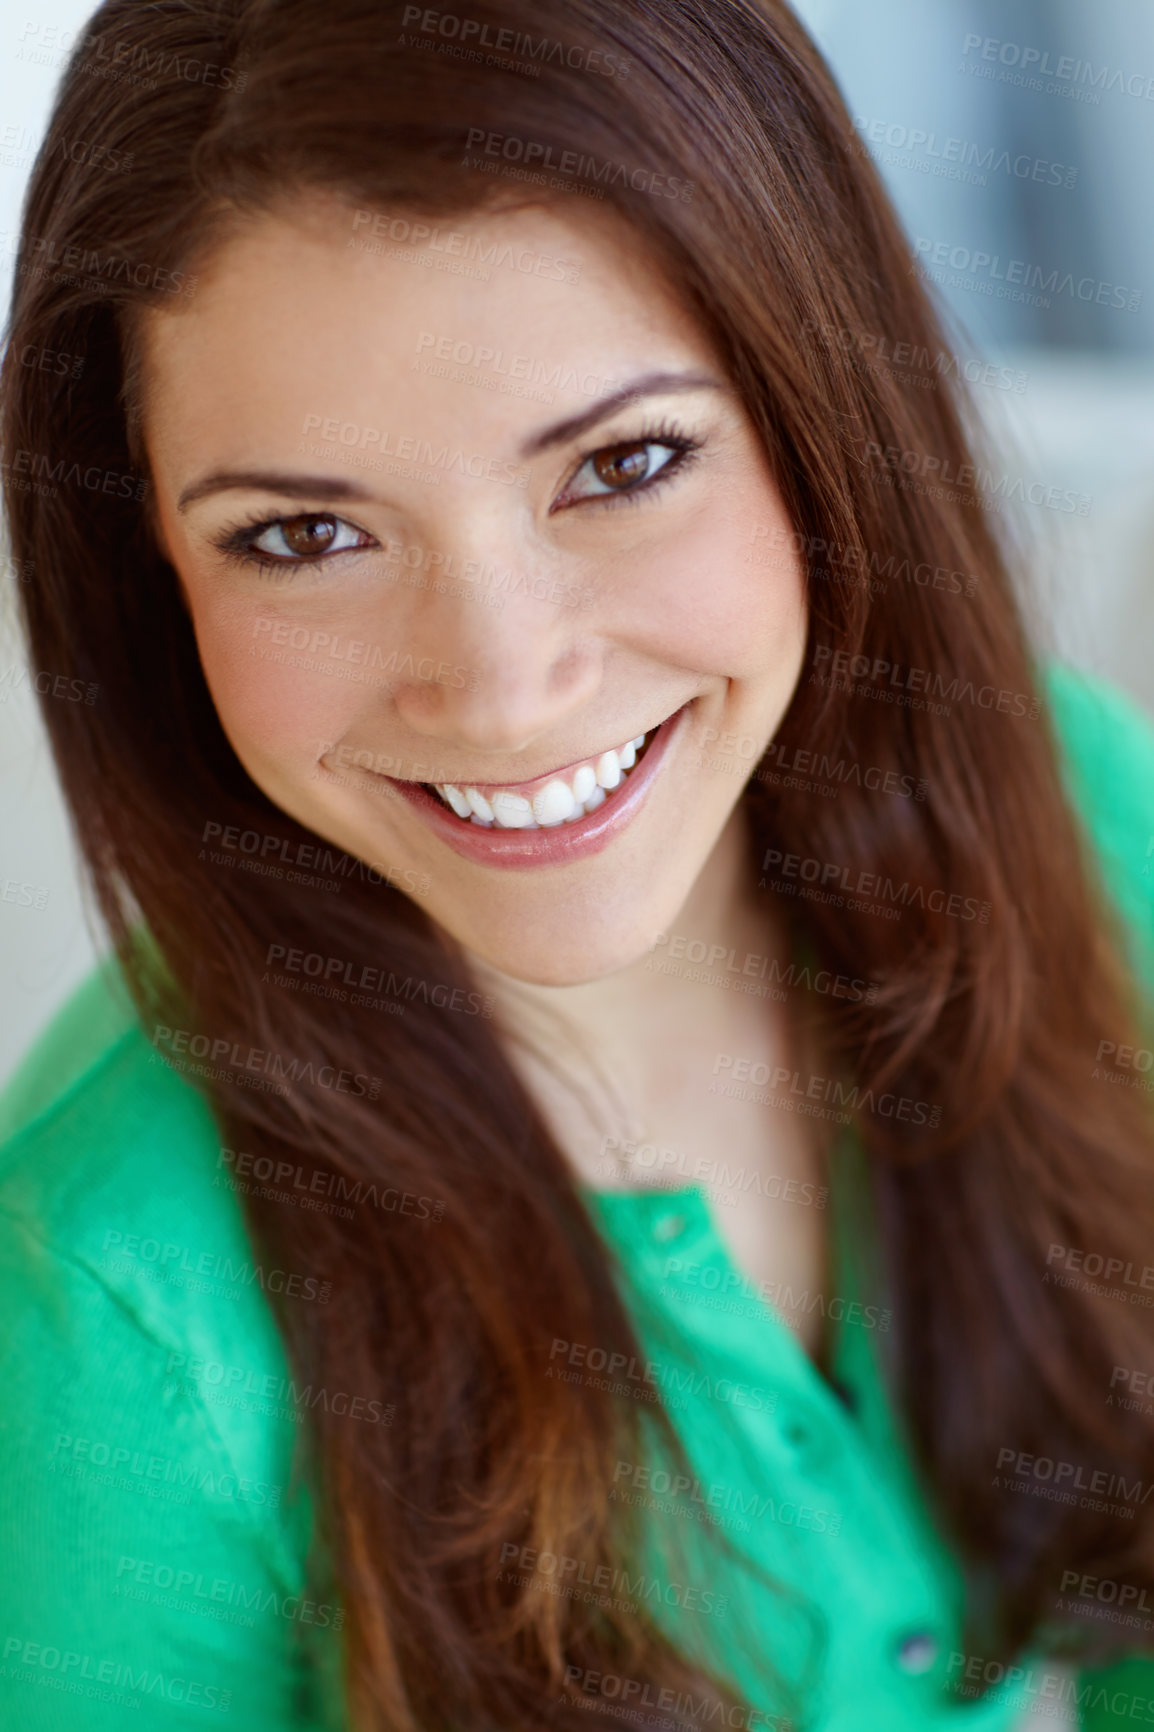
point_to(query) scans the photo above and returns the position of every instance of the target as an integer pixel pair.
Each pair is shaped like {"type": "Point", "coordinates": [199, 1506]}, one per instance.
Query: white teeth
{"type": "Point", "coordinates": [608, 770]}
{"type": "Point", "coordinates": [554, 803]}
{"type": "Point", "coordinates": [583, 783]}
{"type": "Point", "coordinates": [456, 799]}
{"type": "Point", "coordinates": [512, 811]}
{"type": "Point", "coordinates": [558, 802]}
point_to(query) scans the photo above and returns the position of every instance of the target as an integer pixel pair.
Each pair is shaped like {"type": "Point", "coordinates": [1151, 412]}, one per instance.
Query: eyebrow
{"type": "Point", "coordinates": [271, 481]}
{"type": "Point", "coordinates": [293, 486]}
{"type": "Point", "coordinates": [648, 385]}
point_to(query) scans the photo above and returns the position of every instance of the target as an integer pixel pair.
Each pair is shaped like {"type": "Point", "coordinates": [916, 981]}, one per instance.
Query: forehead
{"type": "Point", "coordinates": [322, 309]}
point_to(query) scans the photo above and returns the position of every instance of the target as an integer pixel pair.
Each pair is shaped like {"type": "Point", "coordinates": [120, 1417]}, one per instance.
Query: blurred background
{"type": "Point", "coordinates": [1017, 140]}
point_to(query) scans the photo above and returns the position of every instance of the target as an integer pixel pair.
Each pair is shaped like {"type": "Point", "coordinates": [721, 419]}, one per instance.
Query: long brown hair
{"type": "Point", "coordinates": [992, 1006]}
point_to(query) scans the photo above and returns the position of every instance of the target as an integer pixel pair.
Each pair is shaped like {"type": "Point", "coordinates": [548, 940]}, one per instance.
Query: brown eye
{"type": "Point", "coordinates": [629, 468]}
{"type": "Point", "coordinates": [308, 535]}
{"type": "Point", "coordinates": [288, 543]}
{"type": "Point", "coordinates": [621, 465]}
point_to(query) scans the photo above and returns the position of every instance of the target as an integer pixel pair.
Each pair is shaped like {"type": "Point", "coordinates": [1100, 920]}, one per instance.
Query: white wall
{"type": "Point", "coordinates": [43, 950]}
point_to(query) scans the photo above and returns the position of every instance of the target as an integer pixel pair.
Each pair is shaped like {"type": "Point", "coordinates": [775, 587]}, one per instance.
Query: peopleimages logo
{"type": "Point", "coordinates": [1066, 70]}
{"type": "Point", "coordinates": [835, 1089]}
{"type": "Point", "coordinates": [879, 671]}
{"type": "Point", "coordinates": [974, 262]}
{"type": "Point", "coordinates": [860, 882]}
{"type": "Point", "coordinates": [455, 251]}
{"type": "Point", "coordinates": [483, 357]}
{"type": "Point", "coordinates": [217, 1591]}
{"type": "Point", "coordinates": [277, 1065]}
{"type": "Point", "coordinates": [377, 978]}
{"type": "Point", "coordinates": [350, 653]}
{"type": "Point", "coordinates": [471, 34]}
{"type": "Point", "coordinates": [91, 1675]}
{"type": "Point", "coordinates": [1064, 1478]}
{"type": "Point", "coordinates": [106, 270]}
{"type": "Point", "coordinates": [957, 158]}
{"type": "Point", "coordinates": [564, 1568]}
{"type": "Point", "coordinates": [1076, 1260]}
{"type": "Point", "coordinates": [1107, 1592]}
{"type": "Point", "coordinates": [531, 153]}
{"type": "Point", "coordinates": [409, 449]}
{"type": "Point", "coordinates": [679, 944]}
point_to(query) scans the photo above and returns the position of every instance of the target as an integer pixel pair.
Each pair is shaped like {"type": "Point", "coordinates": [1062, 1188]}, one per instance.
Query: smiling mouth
{"type": "Point", "coordinates": [542, 822]}
{"type": "Point", "coordinates": [564, 797]}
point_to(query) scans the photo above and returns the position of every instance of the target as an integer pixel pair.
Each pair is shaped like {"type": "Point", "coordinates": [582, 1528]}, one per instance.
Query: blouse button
{"type": "Point", "coordinates": [667, 1227]}
{"type": "Point", "coordinates": [811, 1441]}
{"type": "Point", "coordinates": [917, 1652]}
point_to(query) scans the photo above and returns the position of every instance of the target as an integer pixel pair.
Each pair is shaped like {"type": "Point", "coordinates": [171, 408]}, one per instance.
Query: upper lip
{"type": "Point", "coordinates": [563, 770]}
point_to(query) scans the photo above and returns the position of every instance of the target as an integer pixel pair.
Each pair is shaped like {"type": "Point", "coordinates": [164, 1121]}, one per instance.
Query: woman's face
{"type": "Point", "coordinates": [478, 526]}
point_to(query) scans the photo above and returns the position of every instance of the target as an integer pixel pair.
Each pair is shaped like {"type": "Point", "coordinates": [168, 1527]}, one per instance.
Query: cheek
{"type": "Point", "coordinates": [718, 599]}
{"type": "Point", "coordinates": [277, 693]}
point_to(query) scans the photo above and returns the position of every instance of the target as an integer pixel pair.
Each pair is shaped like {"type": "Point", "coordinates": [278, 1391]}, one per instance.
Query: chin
{"type": "Point", "coordinates": [544, 959]}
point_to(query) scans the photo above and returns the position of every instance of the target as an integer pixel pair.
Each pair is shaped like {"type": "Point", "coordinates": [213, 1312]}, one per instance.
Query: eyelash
{"type": "Point", "coordinates": [668, 433]}
{"type": "Point", "coordinates": [236, 543]}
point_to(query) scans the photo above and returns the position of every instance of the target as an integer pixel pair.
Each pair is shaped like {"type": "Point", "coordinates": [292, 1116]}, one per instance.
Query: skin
{"type": "Point", "coordinates": [289, 322]}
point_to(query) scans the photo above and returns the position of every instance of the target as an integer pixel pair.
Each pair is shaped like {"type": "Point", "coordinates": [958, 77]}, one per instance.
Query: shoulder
{"type": "Point", "coordinates": [1106, 744]}
{"type": "Point", "coordinates": [112, 1169]}
{"type": "Point", "coordinates": [148, 1432]}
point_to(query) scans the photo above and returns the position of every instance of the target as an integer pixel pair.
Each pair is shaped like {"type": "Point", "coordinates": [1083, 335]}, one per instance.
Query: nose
{"type": "Point", "coordinates": [505, 649]}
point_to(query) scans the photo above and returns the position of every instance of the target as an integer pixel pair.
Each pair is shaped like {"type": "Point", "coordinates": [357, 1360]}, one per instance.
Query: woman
{"type": "Point", "coordinates": [635, 1049]}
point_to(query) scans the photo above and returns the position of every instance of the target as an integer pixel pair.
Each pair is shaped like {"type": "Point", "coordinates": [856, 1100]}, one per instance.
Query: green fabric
{"type": "Point", "coordinates": [155, 1546]}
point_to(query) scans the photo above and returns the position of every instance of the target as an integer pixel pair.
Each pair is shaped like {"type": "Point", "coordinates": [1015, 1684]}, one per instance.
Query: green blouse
{"type": "Point", "coordinates": [155, 1538]}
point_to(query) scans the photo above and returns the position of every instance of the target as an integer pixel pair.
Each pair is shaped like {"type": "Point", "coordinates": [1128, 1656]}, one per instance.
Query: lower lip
{"type": "Point", "coordinates": [557, 844]}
